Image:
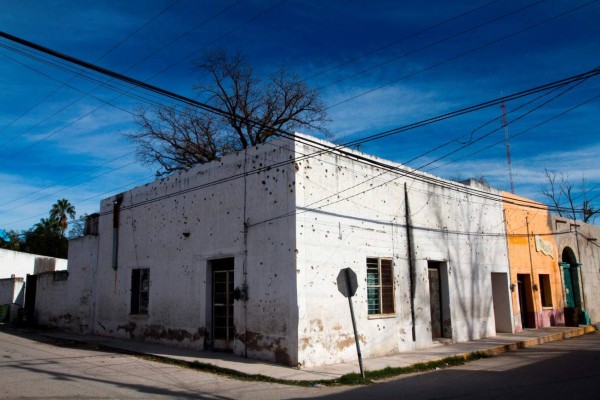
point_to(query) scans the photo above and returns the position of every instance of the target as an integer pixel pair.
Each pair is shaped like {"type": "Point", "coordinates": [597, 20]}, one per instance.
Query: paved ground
{"type": "Point", "coordinates": [568, 369]}
{"type": "Point", "coordinates": [494, 345]}
{"type": "Point", "coordinates": [34, 367]}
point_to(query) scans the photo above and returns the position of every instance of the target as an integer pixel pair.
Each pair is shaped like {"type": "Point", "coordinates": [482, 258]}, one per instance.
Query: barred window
{"type": "Point", "coordinates": [140, 290]}
{"type": "Point", "coordinates": [380, 286]}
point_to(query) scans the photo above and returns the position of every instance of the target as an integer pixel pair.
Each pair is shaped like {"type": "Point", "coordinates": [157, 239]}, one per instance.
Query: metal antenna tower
{"type": "Point", "coordinates": [506, 139]}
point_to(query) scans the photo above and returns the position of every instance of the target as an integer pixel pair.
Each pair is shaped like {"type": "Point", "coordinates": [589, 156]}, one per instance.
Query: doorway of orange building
{"type": "Point", "coordinates": [526, 301]}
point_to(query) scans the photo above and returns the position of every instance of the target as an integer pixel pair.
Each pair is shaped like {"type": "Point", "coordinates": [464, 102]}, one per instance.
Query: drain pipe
{"type": "Point", "coordinates": [245, 262]}
{"type": "Point", "coordinates": [116, 217]}
{"type": "Point", "coordinates": [512, 285]}
{"type": "Point", "coordinates": [115, 243]}
{"type": "Point", "coordinates": [579, 271]}
{"type": "Point", "coordinates": [411, 278]}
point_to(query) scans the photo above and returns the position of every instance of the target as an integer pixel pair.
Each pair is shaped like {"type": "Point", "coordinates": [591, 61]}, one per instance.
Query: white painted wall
{"type": "Point", "coordinates": [209, 206]}
{"type": "Point", "coordinates": [11, 290]}
{"type": "Point", "coordinates": [20, 264]}
{"type": "Point", "coordinates": [349, 211]}
{"type": "Point", "coordinates": [69, 303]}
{"type": "Point", "coordinates": [304, 221]}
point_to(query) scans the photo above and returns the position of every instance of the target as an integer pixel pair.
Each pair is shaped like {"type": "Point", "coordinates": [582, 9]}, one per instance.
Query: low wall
{"type": "Point", "coordinates": [18, 264]}
{"type": "Point", "coordinates": [12, 292]}
{"type": "Point", "coordinates": [64, 299]}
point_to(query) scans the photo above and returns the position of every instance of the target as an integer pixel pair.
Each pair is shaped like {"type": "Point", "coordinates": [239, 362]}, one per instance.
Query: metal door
{"type": "Point", "coordinates": [435, 302]}
{"type": "Point", "coordinates": [222, 307]}
{"type": "Point", "coordinates": [569, 299]}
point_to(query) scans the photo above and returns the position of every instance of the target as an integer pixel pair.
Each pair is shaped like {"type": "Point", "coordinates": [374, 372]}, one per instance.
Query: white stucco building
{"type": "Point", "coordinates": [272, 227]}
{"type": "Point", "coordinates": [14, 268]}
{"type": "Point", "coordinates": [19, 264]}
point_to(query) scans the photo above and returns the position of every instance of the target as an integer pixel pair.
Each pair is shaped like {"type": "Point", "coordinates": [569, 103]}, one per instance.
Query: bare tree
{"type": "Point", "coordinates": [177, 139]}
{"type": "Point", "coordinates": [565, 201]}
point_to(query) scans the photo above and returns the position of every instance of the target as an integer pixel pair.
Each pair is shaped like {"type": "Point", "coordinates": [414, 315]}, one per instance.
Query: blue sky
{"type": "Point", "coordinates": [380, 65]}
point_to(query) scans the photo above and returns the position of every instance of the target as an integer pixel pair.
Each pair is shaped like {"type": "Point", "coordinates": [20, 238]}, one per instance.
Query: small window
{"type": "Point", "coordinates": [140, 290]}
{"type": "Point", "coordinates": [60, 275]}
{"type": "Point", "coordinates": [380, 286]}
{"type": "Point", "coordinates": [545, 290]}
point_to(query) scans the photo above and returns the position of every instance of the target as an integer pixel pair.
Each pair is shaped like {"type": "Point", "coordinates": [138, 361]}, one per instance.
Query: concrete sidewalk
{"type": "Point", "coordinates": [490, 346]}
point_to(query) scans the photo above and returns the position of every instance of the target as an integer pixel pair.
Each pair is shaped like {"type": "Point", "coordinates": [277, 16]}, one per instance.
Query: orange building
{"type": "Point", "coordinates": [536, 285]}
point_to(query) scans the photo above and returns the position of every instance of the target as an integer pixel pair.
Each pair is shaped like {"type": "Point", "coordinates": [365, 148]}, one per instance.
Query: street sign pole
{"type": "Point", "coordinates": [349, 288]}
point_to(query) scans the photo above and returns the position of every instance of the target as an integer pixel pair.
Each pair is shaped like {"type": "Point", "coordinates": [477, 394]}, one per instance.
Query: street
{"type": "Point", "coordinates": [35, 370]}
{"type": "Point", "coordinates": [557, 370]}
{"type": "Point", "coordinates": [34, 367]}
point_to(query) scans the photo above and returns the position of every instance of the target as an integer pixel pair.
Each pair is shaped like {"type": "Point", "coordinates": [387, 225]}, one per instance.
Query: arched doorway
{"type": "Point", "coordinates": [571, 278]}
{"type": "Point", "coordinates": [570, 272]}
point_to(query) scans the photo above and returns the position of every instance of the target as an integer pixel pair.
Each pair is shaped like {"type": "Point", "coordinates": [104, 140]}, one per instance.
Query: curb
{"type": "Point", "coordinates": [494, 351]}
{"type": "Point", "coordinates": [466, 356]}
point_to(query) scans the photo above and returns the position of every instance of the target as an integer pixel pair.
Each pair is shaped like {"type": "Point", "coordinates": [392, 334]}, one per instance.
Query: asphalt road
{"type": "Point", "coordinates": [568, 369]}
{"type": "Point", "coordinates": [33, 367]}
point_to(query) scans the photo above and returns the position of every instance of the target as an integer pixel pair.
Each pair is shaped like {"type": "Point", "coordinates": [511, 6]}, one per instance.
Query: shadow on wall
{"type": "Point", "coordinates": [472, 307]}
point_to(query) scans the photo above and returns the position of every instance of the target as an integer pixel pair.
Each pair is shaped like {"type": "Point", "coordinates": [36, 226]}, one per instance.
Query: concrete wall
{"type": "Point", "coordinates": [176, 226]}
{"type": "Point", "coordinates": [20, 264]}
{"type": "Point", "coordinates": [349, 211]}
{"type": "Point", "coordinates": [526, 222]}
{"type": "Point", "coordinates": [11, 290]}
{"type": "Point", "coordinates": [584, 241]}
{"type": "Point", "coordinates": [67, 300]}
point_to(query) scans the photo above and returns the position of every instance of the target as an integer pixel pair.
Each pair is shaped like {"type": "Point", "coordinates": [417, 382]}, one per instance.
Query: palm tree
{"type": "Point", "coordinates": [59, 212]}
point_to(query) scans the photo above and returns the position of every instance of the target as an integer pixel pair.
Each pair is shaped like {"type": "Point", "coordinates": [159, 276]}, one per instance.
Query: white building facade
{"type": "Point", "coordinates": [19, 264]}
{"type": "Point", "coordinates": [244, 255]}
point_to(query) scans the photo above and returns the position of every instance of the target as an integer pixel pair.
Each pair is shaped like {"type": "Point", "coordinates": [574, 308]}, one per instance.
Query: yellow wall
{"type": "Point", "coordinates": [524, 220]}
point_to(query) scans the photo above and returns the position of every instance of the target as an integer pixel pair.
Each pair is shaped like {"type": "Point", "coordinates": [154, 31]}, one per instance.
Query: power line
{"type": "Point", "coordinates": [139, 29]}
{"type": "Point", "coordinates": [68, 187]}
{"type": "Point", "coordinates": [594, 98]}
{"type": "Point", "coordinates": [114, 47]}
{"type": "Point", "coordinates": [414, 51]}
{"type": "Point", "coordinates": [257, 16]}
{"type": "Point", "coordinates": [81, 73]}
{"type": "Point", "coordinates": [215, 110]}
{"type": "Point", "coordinates": [398, 41]}
{"type": "Point", "coordinates": [487, 44]}
{"type": "Point", "coordinates": [88, 199]}
{"type": "Point", "coordinates": [188, 101]}
{"type": "Point", "coordinates": [111, 102]}
{"type": "Point", "coordinates": [404, 173]}
{"type": "Point", "coordinates": [247, 22]}
{"type": "Point", "coordinates": [472, 133]}
{"type": "Point", "coordinates": [568, 89]}
{"type": "Point", "coordinates": [66, 179]}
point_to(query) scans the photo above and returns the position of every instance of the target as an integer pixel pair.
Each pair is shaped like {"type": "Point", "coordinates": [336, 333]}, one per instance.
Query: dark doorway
{"type": "Point", "coordinates": [572, 291]}
{"type": "Point", "coordinates": [571, 275]}
{"type": "Point", "coordinates": [439, 300]}
{"type": "Point", "coordinates": [525, 301]}
{"type": "Point", "coordinates": [222, 303]}
{"type": "Point", "coordinates": [501, 298]}
{"type": "Point", "coordinates": [30, 290]}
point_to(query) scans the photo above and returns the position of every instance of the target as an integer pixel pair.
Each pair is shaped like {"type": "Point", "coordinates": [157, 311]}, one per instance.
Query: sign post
{"type": "Point", "coordinates": [347, 285]}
